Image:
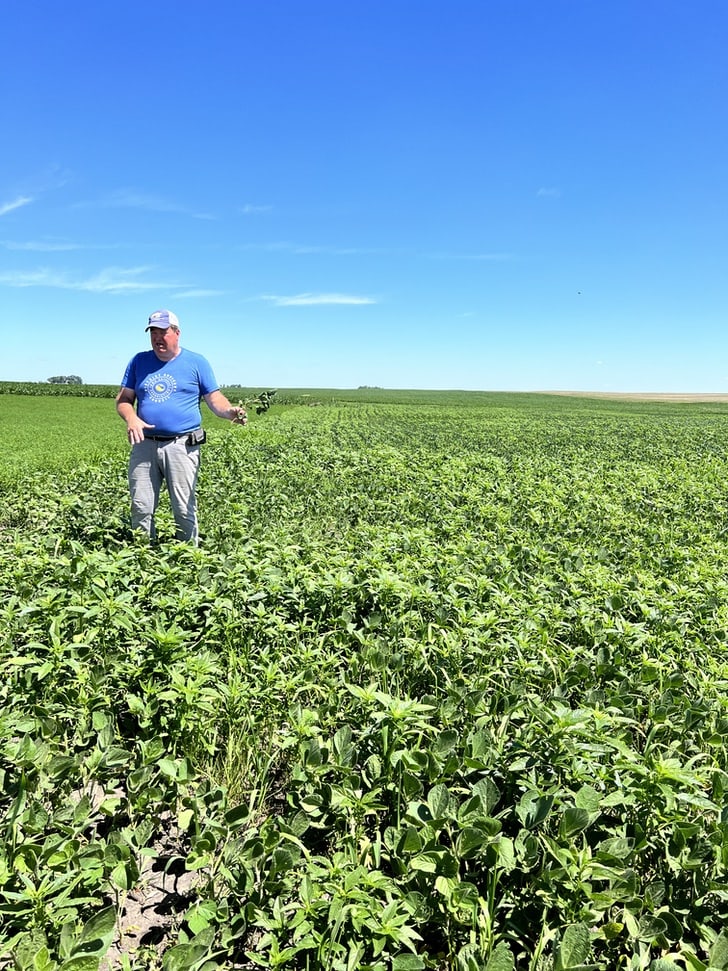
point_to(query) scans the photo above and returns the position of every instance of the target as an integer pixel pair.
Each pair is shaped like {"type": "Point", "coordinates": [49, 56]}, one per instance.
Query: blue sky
{"type": "Point", "coordinates": [480, 194]}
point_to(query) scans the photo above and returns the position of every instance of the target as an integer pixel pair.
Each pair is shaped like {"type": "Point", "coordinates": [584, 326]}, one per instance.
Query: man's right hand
{"type": "Point", "coordinates": [135, 431]}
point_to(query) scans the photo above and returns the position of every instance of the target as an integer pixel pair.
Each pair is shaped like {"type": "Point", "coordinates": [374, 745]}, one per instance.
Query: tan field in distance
{"type": "Point", "coordinates": [642, 396]}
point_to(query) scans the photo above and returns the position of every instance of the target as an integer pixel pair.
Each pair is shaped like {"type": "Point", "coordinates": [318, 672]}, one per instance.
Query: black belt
{"type": "Point", "coordinates": [196, 437]}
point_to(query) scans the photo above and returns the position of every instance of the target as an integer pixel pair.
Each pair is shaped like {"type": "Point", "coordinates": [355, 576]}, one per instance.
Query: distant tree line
{"type": "Point", "coordinates": [65, 379]}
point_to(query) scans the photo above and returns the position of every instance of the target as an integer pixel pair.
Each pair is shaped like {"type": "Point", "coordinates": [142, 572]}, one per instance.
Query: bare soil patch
{"type": "Point", "coordinates": [151, 913]}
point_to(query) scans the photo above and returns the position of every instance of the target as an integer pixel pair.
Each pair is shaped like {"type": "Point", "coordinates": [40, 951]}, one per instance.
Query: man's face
{"type": "Point", "coordinates": [165, 342]}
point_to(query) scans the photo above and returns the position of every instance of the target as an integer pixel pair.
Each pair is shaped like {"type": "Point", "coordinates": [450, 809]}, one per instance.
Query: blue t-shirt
{"type": "Point", "coordinates": [168, 392]}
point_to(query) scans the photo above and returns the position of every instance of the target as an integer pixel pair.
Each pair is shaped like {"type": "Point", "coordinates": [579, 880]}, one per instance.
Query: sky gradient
{"type": "Point", "coordinates": [479, 194]}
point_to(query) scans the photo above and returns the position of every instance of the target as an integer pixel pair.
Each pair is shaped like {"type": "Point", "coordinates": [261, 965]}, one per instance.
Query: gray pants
{"type": "Point", "coordinates": [174, 463]}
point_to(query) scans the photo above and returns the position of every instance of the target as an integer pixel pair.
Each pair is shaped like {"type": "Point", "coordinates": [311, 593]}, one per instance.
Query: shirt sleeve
{"type": "Point", "coordinates": [129, 379]}
{"type": "Point", "coordinates": [208, 381]}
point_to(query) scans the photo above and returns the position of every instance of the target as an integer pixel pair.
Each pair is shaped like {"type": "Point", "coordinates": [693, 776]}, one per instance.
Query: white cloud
{"type": "Point", "coordinates": [114, 280]}
{"type": "Point", "coordinates": [308, 249]}
{"type": "Point", "coordinates": [483, 257]}
{"type": "Point", "coordinates": [7, 207]}
{"type": "Point", "coordinates": [41, 246]}
{"type": "Point", "coordinates": [250, 210]}
{"type": "Point", "coordinates": [111, 280]}
{"type": "Point", "coordinates": [33, 278]}
{"type": "Point", "coordinates": [317, 300]}
{"type": "Point", "coordinates": [133, 199]}
{"type": "Point", "coordinates": [199, 293]}
{"type": "Point", "coordinates": [331, 250]}
{"type": "Point", "coordinates": [551, 192]}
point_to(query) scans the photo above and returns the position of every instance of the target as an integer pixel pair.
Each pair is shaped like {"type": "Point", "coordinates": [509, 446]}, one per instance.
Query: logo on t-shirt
{"type": "Point", "coordinates": [160, 387]}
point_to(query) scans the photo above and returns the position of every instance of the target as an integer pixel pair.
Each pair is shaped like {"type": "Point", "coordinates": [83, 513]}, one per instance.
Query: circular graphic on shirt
{"type": "Point", "coordinates": [159, 387]}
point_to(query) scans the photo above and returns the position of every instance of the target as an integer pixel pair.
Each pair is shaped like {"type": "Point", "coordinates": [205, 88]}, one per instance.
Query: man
{"type": "Point", "coordinates": [166, 384]}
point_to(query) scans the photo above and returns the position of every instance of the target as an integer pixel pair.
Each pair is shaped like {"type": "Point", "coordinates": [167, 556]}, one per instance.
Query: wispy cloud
{"type": "Point", "coordinates": [53, 177]}
{"type": "Point", "coordinates": [251, 210]}
{"type": "Point", "coordinates": [41, 246]}
{"type": "Point", "coordinates": [134, 199]}
{"type": "Point", "coordinates": [112, 280]}
{"type": "Point", "coordinates": [33, 278]}
{"type": "Point", "coordinates": [477, 257]}
{"type": "Point", "coordinates": [314, 249]}
{"type": "Point", "coordinates": [334, 250]}
{"type": "Point", "coordinates": [7, 207]}
{"type": "Point", "coordinates": [551, 192]}
{"type": "Point", "coordinates": [325, 249]}
{"type": "Point", "coordinates": [317, 300]}
{"type": "Point", "coordinates": [196, 292]}
{"type": "Point", "coordinates": [119, 280]}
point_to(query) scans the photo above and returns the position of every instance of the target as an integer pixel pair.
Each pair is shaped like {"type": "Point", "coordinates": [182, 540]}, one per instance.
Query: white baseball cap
{"type": "Point", "coordinates": [162, 319]}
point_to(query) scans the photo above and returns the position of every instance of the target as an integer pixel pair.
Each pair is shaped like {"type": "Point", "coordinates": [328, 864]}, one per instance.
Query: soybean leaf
{"type": "Point", "coordinates": [650, 927]}
{"type": "Point", "coordinates": [183, 957]}
{"type": "Point", "coordinates": [407, 962]}
{"type": "Point", "coordinates": [533, 808]}
{"type": "Point", "coordinates": [81, 962]}
{"type": "Point", "coordinates": [501, 958]}
{"type": "Point", "coordinates": [574, 948]}
{"type": "Point", "coordinates": [409, 841]}
{"type": "Point", "coordinates": [489, 793]}
{"type": "Point", "coordinates": [343, 746]}
{"type": "Point", "coordinates": [445, 742]}
{"type": "Point", "coordinates": [573, 821]}
{"type": "Point", "coordinates": [100, 929]}
{"type": "Point", "coordinates": [588, 798]}
{"type": "Point", "coordinates": [470, 840]}
{"type": "Point", "coordinates": [438, 801]}
{"type": "Point", "coordinates": [719, 951]}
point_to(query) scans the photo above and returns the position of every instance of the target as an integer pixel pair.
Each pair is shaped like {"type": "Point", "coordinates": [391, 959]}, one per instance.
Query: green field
{"type": "Point", "coordinates": [444, 686]}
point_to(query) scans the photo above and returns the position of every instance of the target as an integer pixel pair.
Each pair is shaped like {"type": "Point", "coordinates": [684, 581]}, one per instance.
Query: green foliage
{"type": "Point", "coordinates": [261, 402]}
{"type": "Point", "coordinates": [66, 386]}
{"type": "Point", "coordinates": [443, 687]}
